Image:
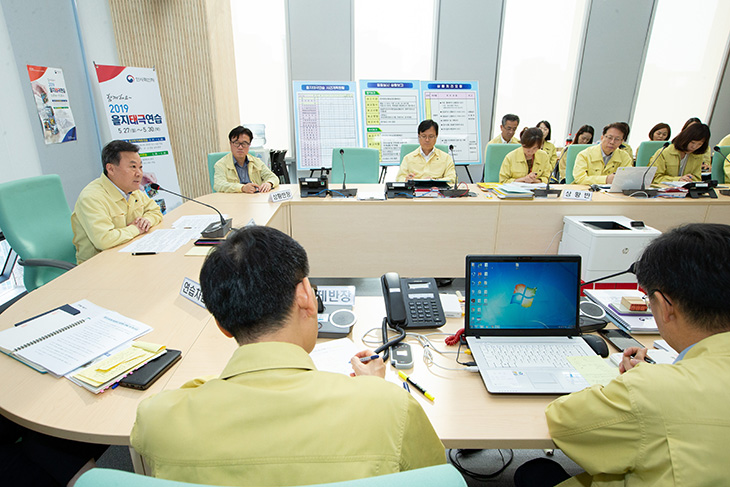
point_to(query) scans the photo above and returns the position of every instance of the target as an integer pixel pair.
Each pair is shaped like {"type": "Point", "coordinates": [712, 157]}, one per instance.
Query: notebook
{"type": "Point", "coordinates": [528, 305]}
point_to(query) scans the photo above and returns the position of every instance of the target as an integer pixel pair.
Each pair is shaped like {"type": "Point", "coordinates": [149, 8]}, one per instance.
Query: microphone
{"type": "Point", "coordinates": [643, 178]}
{"type": "Point", "coordinates": [717, 149]}
{"type": "Point", "coordinates": [454, 193]}
{"type": "Point", "coordinates": [216, 229]}
{"type": "Point", "coordinates": [544, 193]}
{"type": "Point", "coordinates": [344, 192]}
{"type": "Point", "coordinates": [630, 270]}
{"type": "Point", "coordinates": [647, 192]}
{"type": "Point", "coordinates": [456, 176]}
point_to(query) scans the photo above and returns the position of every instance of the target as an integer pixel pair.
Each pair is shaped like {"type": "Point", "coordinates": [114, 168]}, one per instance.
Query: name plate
{"type": "Point", "coordinates": [575, 194]}
{"type": "Point", "coordinates": [281, 195]}
{"type": "Point", "coordinates": [191, 290]}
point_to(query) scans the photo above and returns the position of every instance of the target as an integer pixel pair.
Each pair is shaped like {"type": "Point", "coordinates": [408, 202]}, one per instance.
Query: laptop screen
{"type": "Point", "coordinates": [522, 295]}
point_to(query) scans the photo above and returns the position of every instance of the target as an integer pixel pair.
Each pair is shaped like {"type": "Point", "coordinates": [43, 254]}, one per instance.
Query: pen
{"type": "Point", "coordinates": [144, 253]}
{"type": "Point", "coordinates": [405, 386]}
{"type": "Point", "coordinates": [368, 359]}
{"type": "Point", "coordinates": [649, 360]}
{"type": "Point", "coordinates": [419, 388]}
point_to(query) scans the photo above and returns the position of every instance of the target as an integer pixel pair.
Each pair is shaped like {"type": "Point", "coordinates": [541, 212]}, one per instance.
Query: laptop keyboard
{"type": "Point", "coordinates": [525, 355]}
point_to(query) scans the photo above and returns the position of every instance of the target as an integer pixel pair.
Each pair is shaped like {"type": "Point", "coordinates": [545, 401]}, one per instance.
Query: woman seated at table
{"type": "Point", "coordinates": [660, 132]}
{"type": "Point", "coordinates": [682, 160]}
{"type": "Point", "coordinates": [528, 164]}
{"type": "Point", "coordinates": [584, 135]}
{"type": "Point", "coordinates": [548, 146]}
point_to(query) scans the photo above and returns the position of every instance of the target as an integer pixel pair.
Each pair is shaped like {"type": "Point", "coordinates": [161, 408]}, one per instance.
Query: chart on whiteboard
{"type": "Point", "coordinates": [455, 106]}
{"type": "Point", "coordinates": [326, 119]}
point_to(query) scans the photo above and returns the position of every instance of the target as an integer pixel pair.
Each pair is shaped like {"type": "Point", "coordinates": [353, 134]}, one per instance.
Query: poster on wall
{"type": "Point", "coordinates": [455, 106]}
{"type": "Point", "coordinates": [325, 118]}
{"type": "Point", "coordinates": [134, 112]}
{"type": "Point", "coordinates": [390, 115]}
{"type": "Point", "coordinates": [51, 101]}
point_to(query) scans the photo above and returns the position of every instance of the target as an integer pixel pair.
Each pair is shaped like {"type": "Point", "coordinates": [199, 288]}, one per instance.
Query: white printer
{"type": "Point", "coordinates": [606, 244]}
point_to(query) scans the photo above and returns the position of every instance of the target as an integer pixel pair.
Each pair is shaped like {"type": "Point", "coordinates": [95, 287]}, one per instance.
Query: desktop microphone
{"type": "Point", "coordinates": [544, 193]}
{"type": "Point", "coordinates": [630, 270]}
{"type": "Point", "coordinates": [454, 193]}
{"type": "Point", "coordinates": [214, 230]}
{"type": "Point", "coordinates": [643, 178]}
{"type": "Point", "coordinates": [717, 149]}
{"type": "Point", "coordinates": [344, 192]}
{"type": "Point", "coordinates": [647, 192]}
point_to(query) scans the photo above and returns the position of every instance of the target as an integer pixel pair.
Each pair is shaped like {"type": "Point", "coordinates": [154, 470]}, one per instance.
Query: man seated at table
{"type": "Point", "coordinates": [507, 131]}
{"type": "Point", "coordinates": [272, 418]}
{"type": "Point", "coordinates": [240, 172]}
{"type": "Point", "coordinates": [659, 424]}
{"type": "Point", "coordinates": [112, 210]}
{"type": "Point", "coordinates": [428, 161]}
{"type": "Point", "coordinates": [598, 164]}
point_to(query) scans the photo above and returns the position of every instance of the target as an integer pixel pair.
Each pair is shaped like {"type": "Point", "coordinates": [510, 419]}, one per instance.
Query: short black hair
{"type": "Point", "coordinates": [690, 266]}
{"type": "Point", "coordinates": [249, 281]}
{"type": "Point", "coordinates": [616, 125]}
{"type": "Point", "coordinates": [695, 131]}
{"type": "Point", "coordinates": [427, 124]}
{"type": "Point", "coordinates": [110, 154]}
{"type": "Point", "coordinates": [585, 129]}
{"type": "Point", "coordinates": [547, 124]}
{"type": "Point", "coordinates": [510, 117]}
{"type": "Point", "coordinates": [660, 126]}
{"type": "Point", "coordinates": [627, 129]}
{"type": "Point", "coordinates": [238, 131]}
{"type": "Point", "coordinates": [531, 137]}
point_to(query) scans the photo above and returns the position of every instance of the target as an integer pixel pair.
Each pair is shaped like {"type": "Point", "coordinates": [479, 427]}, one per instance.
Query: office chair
{"type": "Point", "coordinates": [437, 476]}
{"type": "Point", "coordinates": [36, 221]}
{"type": "Point", "coordinates": [493, 158]}
{"type": "Point", "coordinates": [213, 157]}
{"type": "Point", "coordinates": [362, 165]}
{"type": "Point", "coordinates": [718, 164]}
{"type": "Point", "coordinates": [646, 150]}
{"type": "Point", "coordinates": [573, 150]}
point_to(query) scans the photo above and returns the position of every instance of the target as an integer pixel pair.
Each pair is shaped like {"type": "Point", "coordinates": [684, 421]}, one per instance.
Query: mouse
{"type": "Point", "coordinates": [597, 344]}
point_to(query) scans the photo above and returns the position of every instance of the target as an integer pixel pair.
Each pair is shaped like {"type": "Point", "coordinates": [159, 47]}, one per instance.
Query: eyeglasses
{"type": "Point", "coordinates": [241, 145]}
{"type": "Point", "coordinates": [611, 138]}
{"type": "Point", "coordinates": [645, 297]}
{"type": "Point", "coordinates": [427, 137]}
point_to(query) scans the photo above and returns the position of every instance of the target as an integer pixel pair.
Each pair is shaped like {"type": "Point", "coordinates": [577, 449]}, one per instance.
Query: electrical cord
{"type": "Point", "coordinates": [551, 242]}
{"type": "Point", "coordinates": [456, 462]}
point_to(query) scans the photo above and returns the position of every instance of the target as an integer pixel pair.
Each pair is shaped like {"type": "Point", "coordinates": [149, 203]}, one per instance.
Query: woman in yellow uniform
{"type": "Point", "coordinates": [528, 164]}
{"type": "Point", "coordinates": [682, 160]}
{"type": "Point", "coordinates": [548, 146]}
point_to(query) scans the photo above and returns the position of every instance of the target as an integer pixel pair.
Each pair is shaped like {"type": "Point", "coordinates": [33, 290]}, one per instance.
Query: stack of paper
{"type": "Point", "coordinates": [513, 191]}
{"type": "Point", "coordinates": [610, 300]}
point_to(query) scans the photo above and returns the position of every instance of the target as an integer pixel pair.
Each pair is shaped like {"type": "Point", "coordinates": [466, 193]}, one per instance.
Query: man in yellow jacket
{"type": "Point", "coordinates": [659, 424]}
{"type": "Point", "coordinates": [598, 164]}
{"type": "Point", "coordinates": [240, 172]}
{"type": "Point", "coordinates": [272, 418]}
{"type": "Point", "coordinates": [112, 210]}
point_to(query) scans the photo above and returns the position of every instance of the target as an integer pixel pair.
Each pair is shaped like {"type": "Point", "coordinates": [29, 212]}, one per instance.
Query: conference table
{"type": "Point", "coordinates": [343, 238]}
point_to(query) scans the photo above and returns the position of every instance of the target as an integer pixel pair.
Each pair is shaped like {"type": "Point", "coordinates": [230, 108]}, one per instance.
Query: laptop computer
{"type": "Point", "coordinates": [522, 322]}
{"type": "Point", "coordinates": [630, 178]}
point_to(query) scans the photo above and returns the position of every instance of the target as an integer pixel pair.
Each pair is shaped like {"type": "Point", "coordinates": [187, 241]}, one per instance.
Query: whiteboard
{"type": "Point", "coordinates": [391, 112]}
{"type": "Point", "coordinates": [325, 117]}
{"type": "Point", "coordinates": [454, 105]}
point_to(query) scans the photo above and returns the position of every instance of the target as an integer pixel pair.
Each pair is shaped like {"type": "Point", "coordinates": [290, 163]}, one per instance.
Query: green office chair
{"type": "Point", "coordinates": [493, 158]}
{"type": "Point", "coordinates": [438, 476]}
{"type": "Point", "coordinates": [213, 157]}
{"type": "Point", "coordinates": [36, 221]}
{"type": "Point", "coordinates": [573, 150]}
{"type": "Point", "coordinates": [718, 164]}
{"type": "Point", "coordinates": [362, 165]}
{"type": "Point", "coordinates": [646, 150]}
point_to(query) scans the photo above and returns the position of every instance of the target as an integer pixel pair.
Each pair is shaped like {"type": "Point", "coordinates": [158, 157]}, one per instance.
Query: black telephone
{"type": "Point", "coordinates": [412, 302]}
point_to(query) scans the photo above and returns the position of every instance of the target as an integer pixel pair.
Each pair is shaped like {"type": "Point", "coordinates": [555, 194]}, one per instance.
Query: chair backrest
{"type": "Point", "coordinates": [573, 150]}
{"type": "Point", "coordinates": [646, 150]}
{"type": "Point", "coordinates": [362, 165]}
{"type": "Point", "coordinates": [213, 157]}
{"type": "Point", "coordinates": [718, 164]}
{"type": "Point", "coordinates": [493, 159]}
{"type": "Point", "coordinates": [406, 149]}
{"type": "Point", "coordinates": [437, 476]}
{"type": "Point", "coordinates": [36, 221]}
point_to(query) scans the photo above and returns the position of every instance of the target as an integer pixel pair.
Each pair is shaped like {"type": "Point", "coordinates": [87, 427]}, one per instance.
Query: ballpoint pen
{"type": "Point", "coordinates": [368, 359]}
{"type": "Point", "coordinates": [418, 387]}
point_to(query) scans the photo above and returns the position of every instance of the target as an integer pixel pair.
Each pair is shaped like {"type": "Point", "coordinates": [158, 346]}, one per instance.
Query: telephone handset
{"type": "Point", "coordinates": [413, 303]}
